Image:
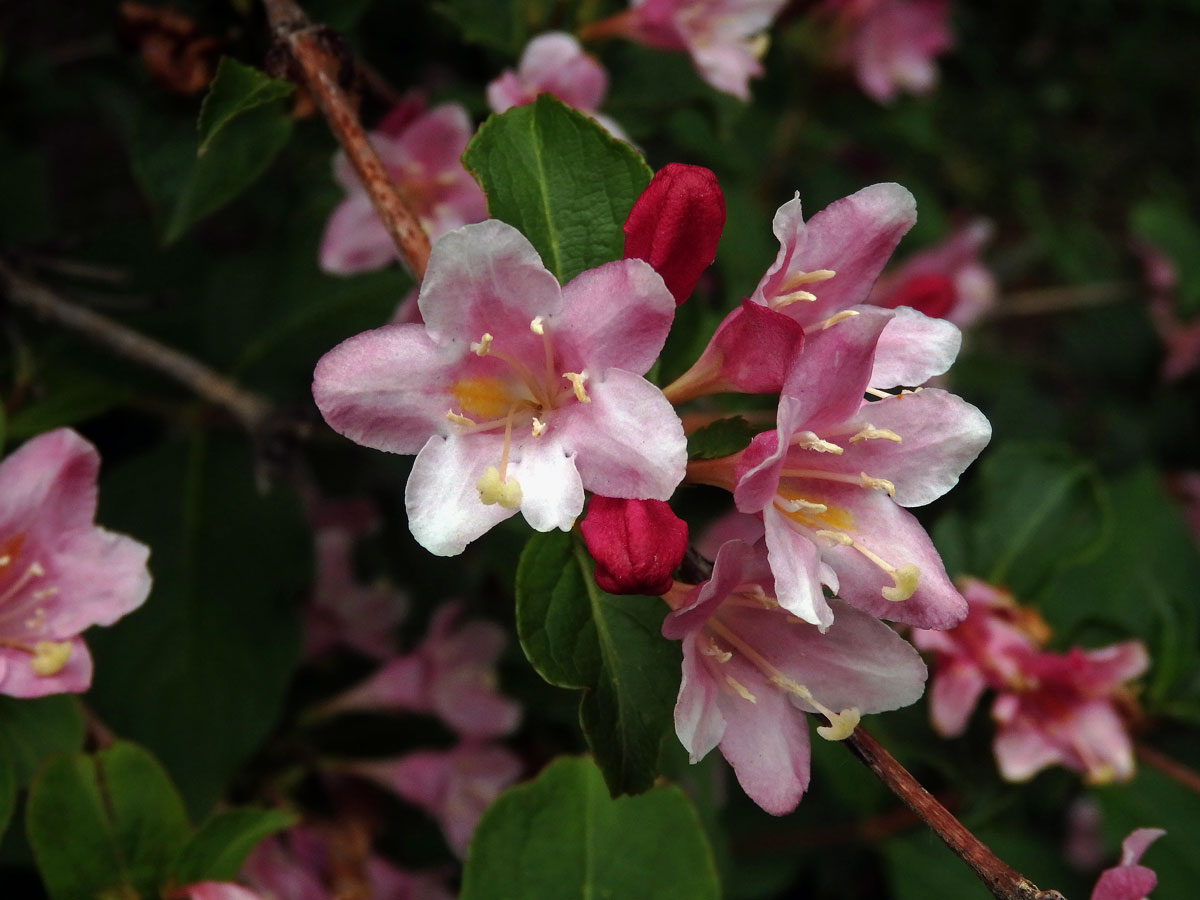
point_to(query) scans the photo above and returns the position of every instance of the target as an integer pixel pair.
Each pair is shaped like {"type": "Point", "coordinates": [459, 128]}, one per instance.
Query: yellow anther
{"type": "Point", "coordinates": [494, 489]}
{"type": "Point", "coordinates": [881, 483]}
{"type": "Point", "coordinates": [838, 537]}
{"type": "Point", "coordinates": [838, 317]}
{"type": "Point", "coordinates": [882, 395]}
{"type": "Point", "coordinates": [871, 433]}
{"type": "Point", "coordinates": [721, 656]}
{"type": "Point", "coordinates": [35, 569]}
{"type": "Point", "coordinates": [37, 620]}
{"type": "Point", "coordinates": [759, 44]}
{"type": "Point", "coordinates": [539, 427]}
{"type": "Point", "coordinates": [789, 292]}
{"type": "Point", "coordinates": [807, 440]}
{"type": "Point", "coordinates": [577, 379]}
{"type": "Point", "coordinates": [44, 593]}
{"type": "Point", "coordinates": [458, 419]}
{"type": "Point", "coordinates": [5, 560]}
{"type": "Point", "coordinates": [481, 347]}
{"type": "Point", "coordinates": [802, 505]}
{"type": "Point", "coordinates": [841, 725]}
{"type": "Point", "coordinates": [740, 689]}
{"type": "Point", "coordinates": [537, 326]}
{"type": "Point", "coordinates": [906, 578]}
{"type": "Point", "coordinates": [49, 657]}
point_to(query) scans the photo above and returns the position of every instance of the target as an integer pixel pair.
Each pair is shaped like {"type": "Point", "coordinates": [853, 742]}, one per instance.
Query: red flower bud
{"type": "Point", "coordinates": [637, 544]}
{"type": "Point", "coordinates": [675, 225]}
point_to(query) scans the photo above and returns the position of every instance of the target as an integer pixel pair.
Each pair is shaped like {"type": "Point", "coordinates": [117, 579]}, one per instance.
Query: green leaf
{"type": "Point", "coordinates": [723, 437]}
{"type": "Point", "coordinates": [33, 729]}
{"type": "Point", "coordinates": [69, 400]}
{"type": "Point", "coordinates": [1040, 509]}
{"type": "Point", "coordinates": [236, 89]}
{"type": "Point", "coordinates": [561, 179]}
{"type": "Point", "coordinates": [506, 26]}
{"type": "Point", "coordinates": [220, 846]}
{"type": "Point", "coordinates": [561, 836]}
{"type": "Point", "coordinates": [105, 824]}
{"type": "Point", "coordinates": [199, 673]}
{"type": "Point", "coordinates": [611, 647]}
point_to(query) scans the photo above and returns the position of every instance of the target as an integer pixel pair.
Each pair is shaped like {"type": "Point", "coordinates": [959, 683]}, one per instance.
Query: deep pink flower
{"type": "Point", "coordinates": [1129, 880]}
{"type": "Point", "coordinates": [726, 39]}
{"type": "Point", "coordinates": [985, 650]}
{"type": "Point", "coordinates": [751, 670]}
{"type": "Point", "coordinates": [421, 155]}
{"type": "Point", "coordinates": [344, 612]}
{"type": "Point", "coordinates": [636, 544]}
{"type": "Point", "coordinates": [824, 271]}
{"type": "Point", "coordinates": [515, 393]}
{"type": "Point", "coordinates": [675, 225]}
{"type": "Point", "coordinates": [59, 572]}
{"type": "Point", "coordinates": [946, 281]}
{"type": "Point", "coordinates": [833, 479]}
{"type": "Point", "coordinates": [453, 786]}
{"type": "Point", "coordinates": [554, 63]}
{"type": "Point", "coordinates": [1064, 712]}
{"type": "Point", "coordinates": [451, 674]}
{"type": "Point", "coordinates": [891, 44]}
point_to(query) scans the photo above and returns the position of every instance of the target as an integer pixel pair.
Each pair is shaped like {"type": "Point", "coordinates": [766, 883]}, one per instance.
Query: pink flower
{"type": "Point", "coordinates": [515, 393]}
{"type": "Point", "coordinates": [453, 786]}
{"type": "Point", "coordinates": [452, 675]}
{"type": "Point", "coordinates": [554, 63]}
{"type": "Point", "coordinates": [1066, 713]}
{"type": "Point", "coordinates": [751, 671]}
{"type": "Point", "coordinates": [1185, 487]}
{"type": "Point", "coordinates": [344, 612]}
{"type": "Point", "coordinates": [725, 38]}
{"type": "Point", "coordinates": [215, 890]}
{"type": "Point", "coordinates": [311, 864]}
{"type": "Point", "coordinates": [1180, 339]}
{"type": "Point", "coordinates": [637, 544]}
{"type": "Point", "coordinates": [1129, 880]}
{"type": "Point", "coordinates": [891, 44]}
{"type": "Point", "coordinates": [824, 271]}
{"type": "Point", "coordinates": [421, 155]}
{"type": "Point", "coordinates": [985, 650]}
{"type": "Point", "coordinates": [675, 225]}
{"type": "Point", "coordinates": [833, 480]}
{"type": "Point", "coordinates": [947, 281]}
{"type": "Point", "coordinates": [59, 572]}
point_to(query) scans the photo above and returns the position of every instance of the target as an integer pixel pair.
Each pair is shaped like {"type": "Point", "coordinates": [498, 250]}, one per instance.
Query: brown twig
{"type": "Point", "coordinates": [248, 408]}
{"type": "Point", "coordinates": [316, 66]}
{"type": "Point", "coordinates": [1172, 768]}
{"type": "Point", "coordinates": [1042, 301]}
{"type": "Point", "coordinates": [1005, 882]}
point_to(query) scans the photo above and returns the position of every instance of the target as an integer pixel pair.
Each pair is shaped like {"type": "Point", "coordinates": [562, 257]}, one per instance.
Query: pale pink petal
{"type": "Point", "coordinates": [488, 278]}
{"type": "Point", "coordinates": [699, 723]}
{"type": "Point", "coordinates": [1125, 883]}
{"type": "Point", "coordinates": [1100, 741]}
{"type": "Point", "coordinates": [854, 237]}
{"type": "Point", "coordinates": [551, 488]}
{"type": "Point", "coordinates": [1111, 666]}
{"type": "Point", "coordinates": [381, 388]}
{"type": "Point", "coordinates": [734, 565]}
{"type": "Point", "coordinates": [556, 64]}
{"type": "Point", "coordinates": [940, 435]}
{"type": "Point", "coordinates": [506, 91]}
{"type": "Point", "coordinates": [727, 66]}
{"type": "Point", "coordinates": [733, 526]}
{"type": "Point", "coordinates": [433, 143]}
{"type": "Point", "coordinates": [798, 569]}
{"type": "Point", "coordinates": [614, 316]}
{"type": "Point", "coordinates": [914, 348]}
{"type": "Point", "coordinates": [628, 441]}
{"type": "Point", "coordinates": [106, 579]}
{"type": "Point", "coordinates": [1021, 749]}
{"type": "Point", "coordinates": [355, 239]}
{"type": "Point", "coordinates": [49, 485]}
{"type": "Point", "coordinates": [957, 687]}
{"type": "Point", "coordinates": [17, 678]}
{"type": "Point", "coordinates": [444, 510]}
{"type": "Point", "coordinates": [217, 890]}
{"type": "Point", "coordinates": [1135, 845]}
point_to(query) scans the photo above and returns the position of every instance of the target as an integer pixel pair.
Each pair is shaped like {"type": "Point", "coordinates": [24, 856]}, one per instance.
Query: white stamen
{"type": "Point", "coordinates": [838, 317]}
{"type": "Point", "coordinates": [721, 656]}
{"type": "Point", "coordinates": [481, 347]}
{"type": "Point", "coordinates": [539, 427]}
{"type": "Point", "coordinates": [880, 483]}
{"type": "Point", "coordinates": [871, 433]}
{"type": "Point", "coordinates": [537, 326]}
{"type": "Point", "coordinates": [807, 440]}
{"type": "Point", "coordinates": [906, 578]}
{"type": "Point", "coordinates": [577, 380]}
{"type": "Point", "coordinates": [801, 505]}
{"type": "Point", "coordinates": [841, 725]}
{"type": "Point", "coordinates": [740, 689]}
{"type": "Point", "coordinates": [458, 419]}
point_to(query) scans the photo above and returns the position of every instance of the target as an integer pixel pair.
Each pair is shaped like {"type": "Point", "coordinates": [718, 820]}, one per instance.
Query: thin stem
{"type": "Point", "coordinates": [316, 65]}
{"type": "Point", "coordinates": [1005, 882]}
{"type": "Point", "coordinates": [250, 409]}
{"type": "Point", "coordinates": [1172, 768]}
{"type": "Point", "coordinates": [1042, 301]}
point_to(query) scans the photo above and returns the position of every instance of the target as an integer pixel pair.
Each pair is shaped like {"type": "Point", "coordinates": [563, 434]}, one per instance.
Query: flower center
{"type": "Point", "coordinates": [21, 592]}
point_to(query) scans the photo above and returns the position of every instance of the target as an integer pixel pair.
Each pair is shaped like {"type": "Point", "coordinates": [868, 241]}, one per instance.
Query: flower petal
{"type": "Point", "coordinates": [49, 484]}
{"type": "Point", "coordinates": [17, 678]}
{"type": "Point", "coordinates": [699, 723]}
{"type": "Point", "coordinates": [551, 489]}
{"type": "Point", "coordinates": [957, 687]}
{"type": "Point", "coordinates": [913, 348]}
{"type": "Point", "coordinates": [355, 239]}
{"type": "Point", "coordinates": [798, 569]}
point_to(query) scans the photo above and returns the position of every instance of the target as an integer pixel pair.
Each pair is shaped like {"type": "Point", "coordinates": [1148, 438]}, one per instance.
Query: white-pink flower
{"type": "Point", "coordinates": [515, 394]}
{"type": "Point", "coordinates": [1129, 880]}
{"type": "Point", "coordinates": [891, 44]}
{"type": "Point", "coordinates": [751, 670]}
{"type": "Point", "coordinates": [554, 63]}
{"type": "Point", "coordinates": [59, 572]}
{"type": "Point", "coordinates": [451, 674]}
{"type": "Point", "coordinates": [422, 156]}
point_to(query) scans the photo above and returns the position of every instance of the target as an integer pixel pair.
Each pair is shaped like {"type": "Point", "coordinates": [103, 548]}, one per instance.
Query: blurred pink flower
{"type": "Point", "coordinates": [891, 44]}
{"type": "Point", "coordinates": [453, 786]}
{"type": "Point", "coordinates": [750, 671]}
{"type": "Point", "coordinates": [311, 864]}
{"type": "Point", "coordinates": [726, 39]}
{"type": "Point", "coordinates": [343, 611]}
{"type": "Point", "coordinates": [59, 572]}
{"type": "Point", "coordinates": [1129, 880]}
{"type": "Point", "coordinates": [421, 154]}
{"type": "Point", "coordinates": [516, 393]}
{"type": "Point", "coordinates": [215, 890]}
{"type": "Point", "coordinates": [1186, 488]}
{"type": "Point", "coordinates": [554, 63]}
{"type": "Point", "coordinates": [946, 281]}
{"type": "Point", "coordinates": [1180, 339]}
{"type": "Point", "coordinates": [451, 674]}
